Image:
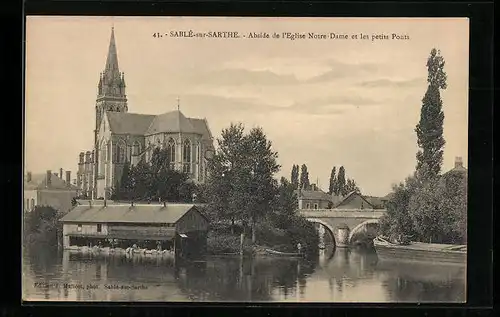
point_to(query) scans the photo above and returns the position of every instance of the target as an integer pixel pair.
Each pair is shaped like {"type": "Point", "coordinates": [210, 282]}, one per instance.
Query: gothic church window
{"type": "Point", "coordinates": [120, 152]}
{"type": "Point", "coordinates": [108, 151]}
{"type": "Point", "coordinates": [186, 157]}
{"type": "Point", "coordinates": [171, 152]}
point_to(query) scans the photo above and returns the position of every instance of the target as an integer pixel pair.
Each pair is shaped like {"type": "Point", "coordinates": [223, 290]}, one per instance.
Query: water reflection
{"type": "Point", "coordinates": [335, 276]}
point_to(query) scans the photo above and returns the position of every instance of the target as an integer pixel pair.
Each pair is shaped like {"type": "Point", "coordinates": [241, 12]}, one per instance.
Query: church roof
{"type": "Point", "coordinates": [129, 123]}
{"type": "Point", "coordinates": [201, 126]}
{"type": "Point", "coordinates": [173, 121]}
{"type": "Point", "coordinates": [144, 124]}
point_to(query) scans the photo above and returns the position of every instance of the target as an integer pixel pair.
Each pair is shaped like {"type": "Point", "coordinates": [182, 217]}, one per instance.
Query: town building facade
{"type": "Point", "coordinates": [50, 190]}
{"type": "Point", "coordinates": [121, 137]}
{"type": "Point", "coordinates": [315, 198]}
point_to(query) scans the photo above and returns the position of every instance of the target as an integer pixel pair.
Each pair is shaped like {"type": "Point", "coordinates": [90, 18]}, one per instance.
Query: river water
{"type": "Point", "coordinates": [335, 276]}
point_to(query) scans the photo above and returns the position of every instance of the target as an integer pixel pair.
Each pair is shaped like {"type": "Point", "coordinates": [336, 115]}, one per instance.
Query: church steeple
{"type": "Point", "coordinates": [112, 60]}
{"type": "Point", "coordinates": [112, 81]}
{"type": "Point", "coordinates": [111, 87]}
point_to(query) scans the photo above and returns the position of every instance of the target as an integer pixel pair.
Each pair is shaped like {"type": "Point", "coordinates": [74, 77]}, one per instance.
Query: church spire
{"type": "Point", "coordinates": [113, 81]}
{"type": "Point", "coordinates": [112, 60]}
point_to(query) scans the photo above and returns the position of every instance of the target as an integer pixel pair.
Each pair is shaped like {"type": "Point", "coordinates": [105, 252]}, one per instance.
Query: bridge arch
{"type": "Point", "coordinates": [370, 227]}
{"type": "Point", "coordinates": [327, 226]}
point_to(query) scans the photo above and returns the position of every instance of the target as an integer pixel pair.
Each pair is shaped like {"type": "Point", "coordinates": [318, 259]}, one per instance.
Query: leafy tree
{"type": "Point", "coordinates": [123, 188]}
{"type": "Point", "coordinates": [221, 191]}
{"type": "Point", "coordinates": [304, 177]}
{"type": "Point", "coordinates": [285, 203]}
{"type": "Point", "coordinates": [341, 182]}
{"type": "Point", "coordinates": [333, 179]}
{"type": "Point", "coordinates": [430, 127]}
{"type": "Point", "coordinates": [41, 227]}
{"type": "Point", "coordinates": [241, 185]}
{"type": "Point", "coordinates": [295, 227]}
{"type": "Point", "coordinates": [351, 186]}
{"type": "Point", "coordinates": [260, 167]}
{"type": "Point", "coordinates": [439, 210]}
{"type": "Point", "coordinates": [155, 181]}
{"type": "Point", "coordinates": [295, 176]}
{"type": "Point", "coordinates": [397, 222]}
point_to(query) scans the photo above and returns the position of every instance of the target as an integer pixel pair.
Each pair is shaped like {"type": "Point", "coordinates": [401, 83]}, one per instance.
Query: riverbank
{"type": "Point", "coordinates": [226, 240]}
{"type": "Point", "coordinates": [419, 251]}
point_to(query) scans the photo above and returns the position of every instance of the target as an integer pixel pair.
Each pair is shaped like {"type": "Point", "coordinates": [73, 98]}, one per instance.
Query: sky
{"type": "Point", "coordinates": [321, 102]}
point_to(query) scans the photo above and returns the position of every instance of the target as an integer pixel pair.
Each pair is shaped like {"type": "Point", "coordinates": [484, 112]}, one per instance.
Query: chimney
{"type": "Point", "coordinates": [458, 162]}
{"type": "Point", "coordinates": [60, 173]}
{"type": "Point", "coordinates": [68, 178]}
{"type": "Point", "coordinates": [48, 179]}
{"type": "Point", "coordinates": [28, 177]}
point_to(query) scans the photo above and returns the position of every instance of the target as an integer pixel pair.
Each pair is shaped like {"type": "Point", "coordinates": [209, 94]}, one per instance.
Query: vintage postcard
{"type": "Point", "coordinates": [204, 159]}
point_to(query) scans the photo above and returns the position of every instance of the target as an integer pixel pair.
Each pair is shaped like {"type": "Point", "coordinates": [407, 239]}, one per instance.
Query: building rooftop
{"type": "Point", "coordinates": [121, 213]}
{"type": "Point", "coordinates": [39, 181]}
{"type": "Point", "coordinates": [146, 124]}
{"type": "Point", "coordinates": [313, 194]}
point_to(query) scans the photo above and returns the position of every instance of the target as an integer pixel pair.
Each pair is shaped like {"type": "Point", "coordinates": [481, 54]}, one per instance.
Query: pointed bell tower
{"type": "Point", "coordinates": [111, 88]}
{"type": "Point", "coordinates": [110, 97]}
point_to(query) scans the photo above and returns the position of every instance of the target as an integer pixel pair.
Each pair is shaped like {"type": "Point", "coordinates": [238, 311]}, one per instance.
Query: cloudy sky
{"type": "Point", "coordinates": [321, 102]}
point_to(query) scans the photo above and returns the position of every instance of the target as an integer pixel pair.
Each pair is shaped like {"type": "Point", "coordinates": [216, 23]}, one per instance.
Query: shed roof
{"type": "Point", "coordinates": [171, 213]}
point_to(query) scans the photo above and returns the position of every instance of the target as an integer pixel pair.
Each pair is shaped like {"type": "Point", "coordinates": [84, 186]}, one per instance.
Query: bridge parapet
{"type": "Point", "coordinates": [342, 213]}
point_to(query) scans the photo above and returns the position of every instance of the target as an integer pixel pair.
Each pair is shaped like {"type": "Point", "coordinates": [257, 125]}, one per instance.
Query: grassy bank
{"type": "Point", "coordinates": [225, 239]}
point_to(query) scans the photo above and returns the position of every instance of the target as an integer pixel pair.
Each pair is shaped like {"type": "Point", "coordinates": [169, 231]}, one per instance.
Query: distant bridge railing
{"type": "Point", "coordinates": [342, 213]}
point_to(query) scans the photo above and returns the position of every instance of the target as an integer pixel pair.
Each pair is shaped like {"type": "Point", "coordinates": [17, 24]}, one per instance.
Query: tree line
{"type": "Point", "coordinates": [339, 185]}
{"type": "Point", "coordinates": [156, 180]}
{"type": "Point", "coordinates": [429, 206]}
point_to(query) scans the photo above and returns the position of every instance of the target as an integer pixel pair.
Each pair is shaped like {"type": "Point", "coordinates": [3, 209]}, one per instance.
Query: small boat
{"type": "Point", "coordinates": [285, 254]}
{"type": "Point", "coordinates": [418, 251]}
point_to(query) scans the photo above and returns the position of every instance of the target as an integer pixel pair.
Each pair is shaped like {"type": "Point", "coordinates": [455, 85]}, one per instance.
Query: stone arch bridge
{"type": "Point", "coordinates": [347, 226]}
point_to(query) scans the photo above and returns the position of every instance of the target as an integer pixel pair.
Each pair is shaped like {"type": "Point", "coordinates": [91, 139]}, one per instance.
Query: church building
{"type": "Point", "coordinates": [121, 136]}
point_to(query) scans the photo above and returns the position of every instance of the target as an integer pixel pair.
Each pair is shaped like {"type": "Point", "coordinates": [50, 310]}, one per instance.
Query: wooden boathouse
{"type": "Point", "coordinates": [178, 227]}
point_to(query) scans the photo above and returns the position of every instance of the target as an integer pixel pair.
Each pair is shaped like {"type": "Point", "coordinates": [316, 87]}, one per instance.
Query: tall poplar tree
{"type": "Point", "coordinates": [333, 180]}
{"type": "Point", "coordinates": [295, 176]}
{"type": "Point", "coordinates": [430, 127]}
{"type": "Point", "coordinates": [341, 182]}
{"type": "Point", "coordinates": [304, 177]}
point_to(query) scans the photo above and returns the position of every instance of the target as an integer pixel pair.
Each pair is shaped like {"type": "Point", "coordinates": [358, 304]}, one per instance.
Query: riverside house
{"type": "Point", "coordinates": [181, 227]}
